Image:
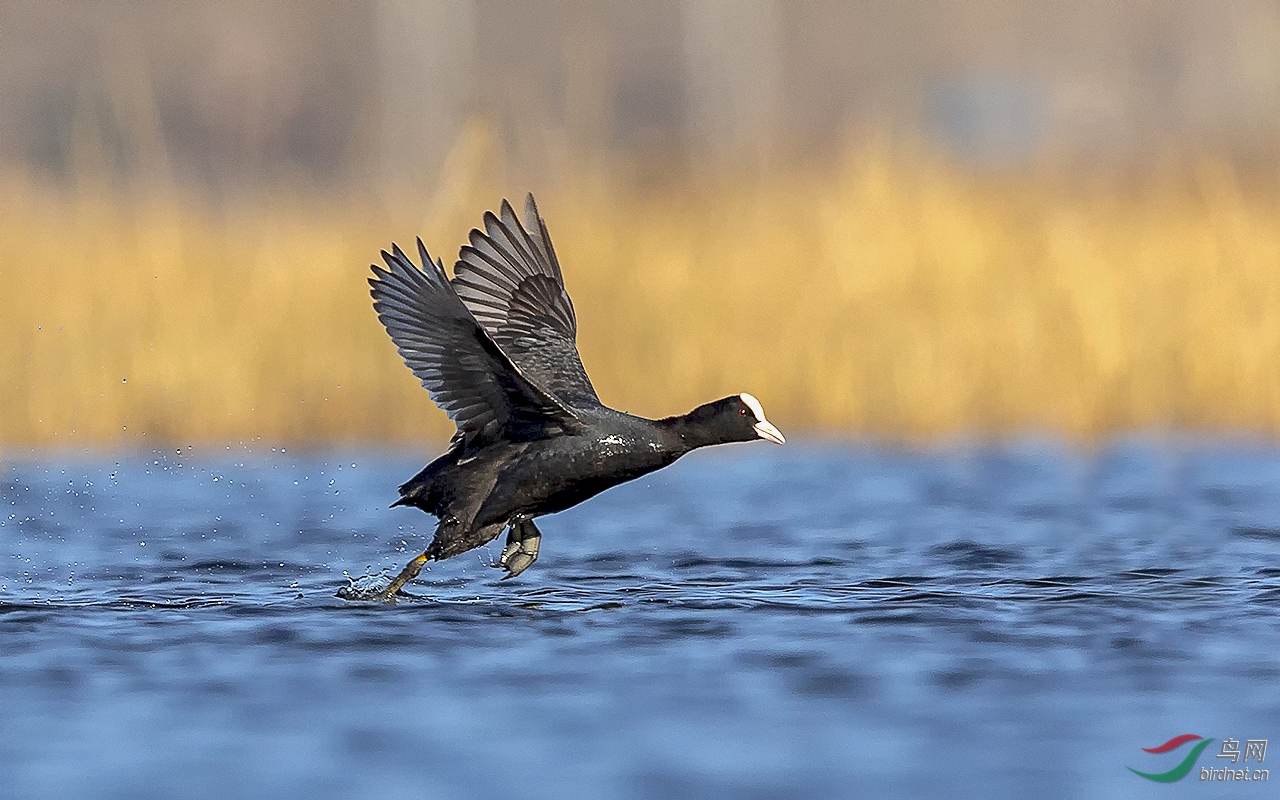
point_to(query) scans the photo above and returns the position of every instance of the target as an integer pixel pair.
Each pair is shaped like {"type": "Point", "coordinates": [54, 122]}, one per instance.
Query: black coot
{"type": "Point", "coordinates": [496, 349]}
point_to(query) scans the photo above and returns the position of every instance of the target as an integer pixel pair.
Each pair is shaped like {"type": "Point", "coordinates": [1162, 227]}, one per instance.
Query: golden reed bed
{"type": "Point", "coordinates": [888, 296]}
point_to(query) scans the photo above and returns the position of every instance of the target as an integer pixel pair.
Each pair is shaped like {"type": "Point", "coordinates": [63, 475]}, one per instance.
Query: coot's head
{"type": "Point", "coordinates": [738, 418]}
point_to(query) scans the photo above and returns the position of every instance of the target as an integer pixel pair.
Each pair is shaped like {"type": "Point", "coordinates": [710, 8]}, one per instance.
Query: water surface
{"type": "Point", "coordinates": [753, 622]}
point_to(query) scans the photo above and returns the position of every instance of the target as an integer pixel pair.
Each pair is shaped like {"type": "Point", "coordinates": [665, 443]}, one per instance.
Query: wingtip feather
{"type": "Point", "coordinates": [531, 215]}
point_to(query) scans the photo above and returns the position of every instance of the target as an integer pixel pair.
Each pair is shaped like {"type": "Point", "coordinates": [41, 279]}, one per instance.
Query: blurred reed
{"type": "Point", "coordinates": [890, 295]}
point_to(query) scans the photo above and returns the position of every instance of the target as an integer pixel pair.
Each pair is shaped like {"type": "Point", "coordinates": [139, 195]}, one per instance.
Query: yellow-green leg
{"type": "Point", "coordinates": [410, 571]}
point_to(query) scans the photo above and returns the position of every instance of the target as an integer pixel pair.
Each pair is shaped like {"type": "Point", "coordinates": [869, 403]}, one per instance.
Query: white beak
{"type": "Point", "coordinates": [765, 430]}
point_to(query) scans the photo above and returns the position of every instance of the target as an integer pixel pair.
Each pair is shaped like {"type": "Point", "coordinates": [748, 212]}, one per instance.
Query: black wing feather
{"type": "Point", "coordinates": [466, 372]}
{"type": "Point", "coordinates": [510, 279]}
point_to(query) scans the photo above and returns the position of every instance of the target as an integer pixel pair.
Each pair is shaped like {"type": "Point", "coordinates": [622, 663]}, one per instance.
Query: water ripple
{"type": "Point", "coordinates": [809, 620]}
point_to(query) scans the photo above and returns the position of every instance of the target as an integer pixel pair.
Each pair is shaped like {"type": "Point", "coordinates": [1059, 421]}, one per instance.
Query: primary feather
{"type": "Point", "coordinates": [510, 279]}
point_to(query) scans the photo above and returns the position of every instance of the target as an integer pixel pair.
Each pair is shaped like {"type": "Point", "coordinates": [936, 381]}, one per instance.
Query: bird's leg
{"type": "Point", "coordinates": [511, 547]}
{"type": "Point", "coordinates": [521, 549]}
{"type": "Point", "coordinates": [410, 571]}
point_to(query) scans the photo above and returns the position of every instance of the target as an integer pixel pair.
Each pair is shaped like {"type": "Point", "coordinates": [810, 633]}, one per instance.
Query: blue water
{"type": "Point", "coordinates": [753, 622]}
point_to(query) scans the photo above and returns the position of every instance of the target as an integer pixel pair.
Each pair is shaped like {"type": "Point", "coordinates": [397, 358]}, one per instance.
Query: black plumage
{"type": "Point", "coordinates": [495, 347]}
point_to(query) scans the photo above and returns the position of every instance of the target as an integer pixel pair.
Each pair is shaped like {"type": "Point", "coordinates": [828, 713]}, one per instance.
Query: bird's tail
{"type": "Point", "coordinates": [421, 490]}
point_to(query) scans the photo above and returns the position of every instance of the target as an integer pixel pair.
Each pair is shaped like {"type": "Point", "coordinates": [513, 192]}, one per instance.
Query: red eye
{"type": "Point", "coordinates": [742, 412]}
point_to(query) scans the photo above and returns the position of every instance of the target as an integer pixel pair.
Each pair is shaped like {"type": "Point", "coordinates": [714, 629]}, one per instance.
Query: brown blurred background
{"type": "Point", "coordinates": [241, 93]}
{"type": "Point", "coordinates": [904, 218]}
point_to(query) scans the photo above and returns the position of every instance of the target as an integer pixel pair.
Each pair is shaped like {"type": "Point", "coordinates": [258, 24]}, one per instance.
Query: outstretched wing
{"type": "Point", "coordinates": [510, 279]}
{"type": "Point", "coordinates": [467, 374]}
